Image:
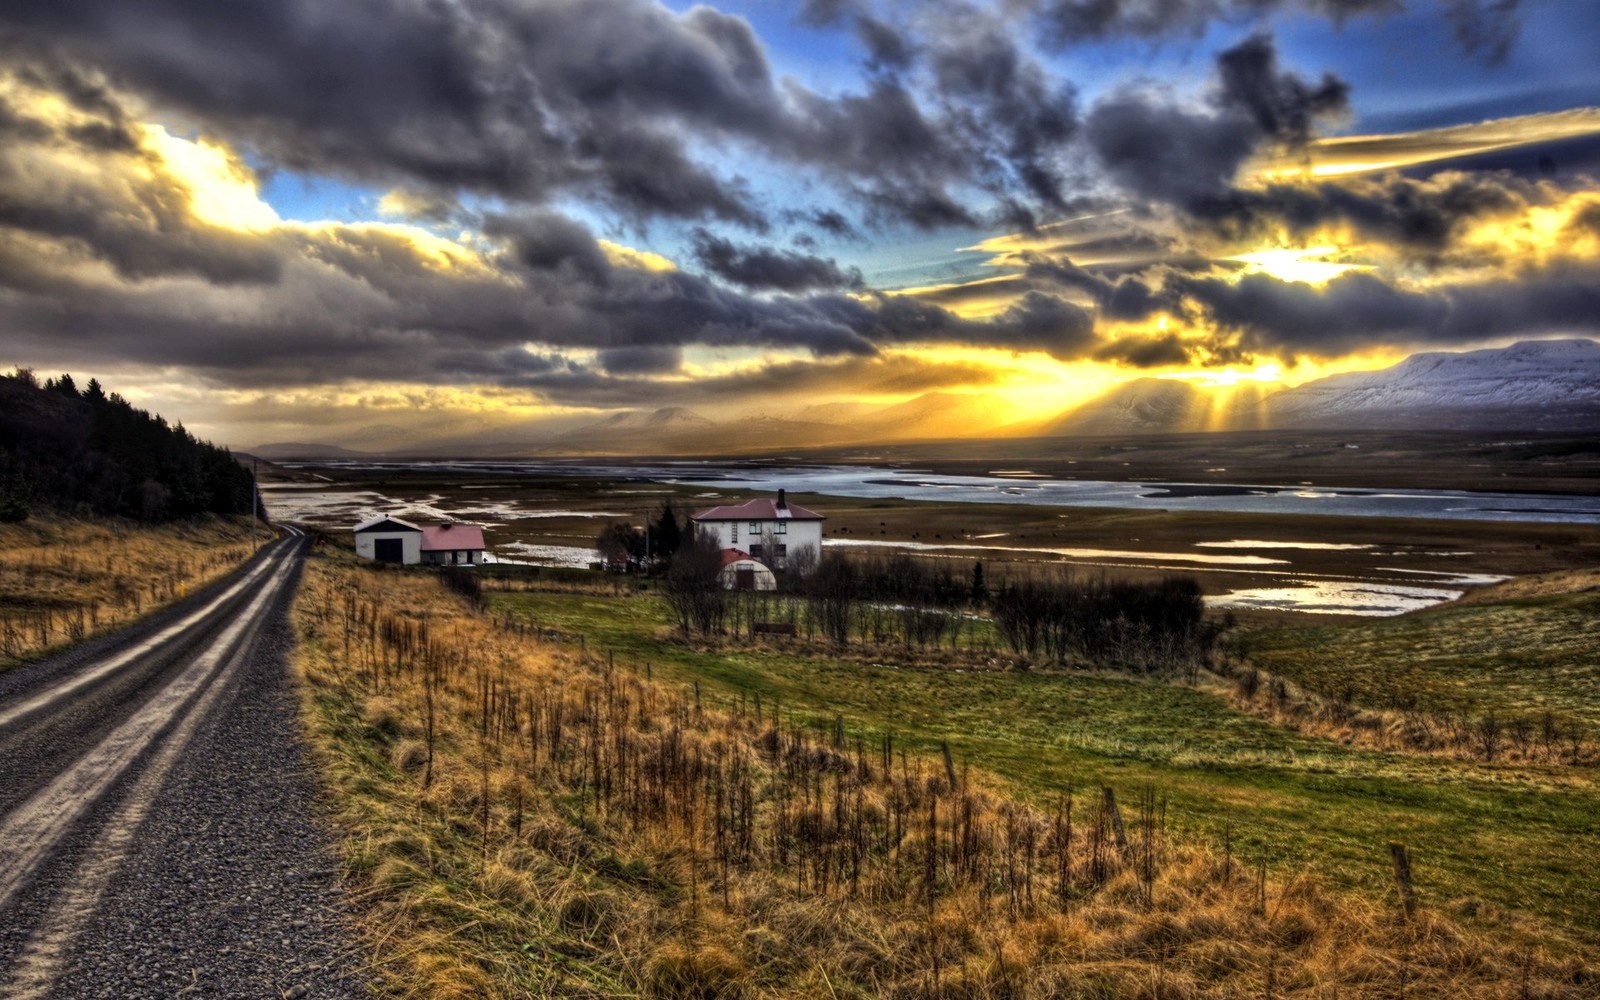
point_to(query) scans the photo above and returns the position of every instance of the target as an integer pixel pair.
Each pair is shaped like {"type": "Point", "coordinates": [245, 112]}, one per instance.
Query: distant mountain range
{"type": "Point", "coordinates": [1534, 385]}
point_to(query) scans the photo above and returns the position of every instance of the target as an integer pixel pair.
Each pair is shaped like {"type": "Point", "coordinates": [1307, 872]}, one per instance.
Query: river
{"type": "Point", "coordinates": [1023, 486]}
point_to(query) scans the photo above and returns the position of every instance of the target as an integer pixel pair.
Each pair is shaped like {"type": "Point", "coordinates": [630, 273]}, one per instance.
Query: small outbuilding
{"type": "Point", "coordinates": [452, 544]}
{"type": "Point", "coordinates": [742, 572]}
{"type": "Point", "coordinates": [390, 540]}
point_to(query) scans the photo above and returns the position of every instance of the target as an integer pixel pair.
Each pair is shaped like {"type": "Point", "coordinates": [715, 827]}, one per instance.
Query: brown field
{"type": "Point", "coordinates": [64, 580]}
{"type": "Point", "coordinates": [534, 819]}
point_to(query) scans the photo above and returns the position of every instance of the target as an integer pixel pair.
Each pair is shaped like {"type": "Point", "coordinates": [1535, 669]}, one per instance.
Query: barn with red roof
{"type": "Point", "coordinates": [391, 539]}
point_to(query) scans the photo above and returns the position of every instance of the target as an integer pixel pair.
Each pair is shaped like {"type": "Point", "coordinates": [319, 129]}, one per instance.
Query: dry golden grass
{"type": "Point", "coordinates": [531, 819]}
{"type": "Point", "coordinates": [63, 580]}
{"type": "Point", "coordinates": [1573, 581]}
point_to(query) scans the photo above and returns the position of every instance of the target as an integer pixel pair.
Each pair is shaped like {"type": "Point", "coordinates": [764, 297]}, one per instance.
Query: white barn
{"type": "Point", "coordinates": [771, 532]}
{"type": "Point", "coordinates": [393, 540]}
{"type": "Point", "coordinates": [389, 539]}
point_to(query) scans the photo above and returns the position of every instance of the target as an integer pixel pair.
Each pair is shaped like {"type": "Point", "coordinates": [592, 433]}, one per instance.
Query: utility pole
{"type": "Point", "coordinates": [255, 499]}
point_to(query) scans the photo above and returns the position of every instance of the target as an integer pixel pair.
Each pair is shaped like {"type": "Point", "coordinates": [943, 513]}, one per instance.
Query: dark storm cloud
{"type": "Point", "coordinates": [1418, 219]}
{"type": "Point", "coordinates": [1359, 310]}
{"type": "Point", "coordinates": [1188, 158]}
{"type": "Point", "coordinates": [1127, 299]}
{"type": "Point", "coordinates": [1035, 322]}
{"type": "Point", "coordinates": [1159, 149]}
{"type": "Point", "coordinates": [488, 96]}
{"type": "Point", "coordinates": [621, 101]}
{"type": "Point", "coordinates": [1147, 352]}
{"type": "Point", "coordinates": [1282, 105]}
{"type": "Point", "coordinates": [641, 360]}
{"type": "Point", "coordinates": [990, 88]}
{"type": "Point", "coordinates": [545, 241]}
{"type": "Point", "coordinates": [887, 48]}
{"type": "Point", "coordinates": [893, 157]}
{"type": "Point", "coordinates": [763, 268]}
{"type": "Point", "coordinates": [1068, 22]}
{"type": "Point", "coordinates": [325, 303]}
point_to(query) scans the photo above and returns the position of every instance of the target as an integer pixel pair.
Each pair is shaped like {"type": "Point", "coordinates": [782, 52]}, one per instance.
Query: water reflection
{"type": "Point", "coordinates": [1335, 597]}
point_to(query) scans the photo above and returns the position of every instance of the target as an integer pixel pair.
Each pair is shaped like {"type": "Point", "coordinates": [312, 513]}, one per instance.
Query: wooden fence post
{"type": "Point", "coordinates": [1402, 878]}
{"type": "Point", "coordinates": [1117, 829]}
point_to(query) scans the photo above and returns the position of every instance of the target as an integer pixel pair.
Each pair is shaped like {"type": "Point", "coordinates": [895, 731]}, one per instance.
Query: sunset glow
{"type": "Point", "coordinates": [1005, 251]}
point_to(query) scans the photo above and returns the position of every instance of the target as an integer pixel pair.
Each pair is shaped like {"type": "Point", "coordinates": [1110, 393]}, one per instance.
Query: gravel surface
{"type": "Point", "coordinates": [230, 885]}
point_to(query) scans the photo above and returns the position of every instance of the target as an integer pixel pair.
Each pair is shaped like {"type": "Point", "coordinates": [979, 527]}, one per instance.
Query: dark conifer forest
{"type": "Point", "coordinates": [86, 451]}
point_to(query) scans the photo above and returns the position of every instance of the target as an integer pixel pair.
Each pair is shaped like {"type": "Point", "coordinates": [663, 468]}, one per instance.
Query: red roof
{"type": "Point", "coordinates": [452, 536]}
{"type": "Point", "coordinates": [731, 556]}
{"type": "Point", "coordinates": [759, 510]}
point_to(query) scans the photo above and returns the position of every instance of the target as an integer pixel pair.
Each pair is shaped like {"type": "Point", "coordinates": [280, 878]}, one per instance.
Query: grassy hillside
{"type": "Point", "coordinates": [581, 818]}
{"type": "Point", "coordinates": [1519, 651]}
{"type": "Point", "coordinates": [64, 579]}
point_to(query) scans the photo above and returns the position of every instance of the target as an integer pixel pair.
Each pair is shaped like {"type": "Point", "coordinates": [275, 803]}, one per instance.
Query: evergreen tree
{"type": "Point", "coordinates": [666, 537]}
{"type": "Point", "coordinates": [93, 450]}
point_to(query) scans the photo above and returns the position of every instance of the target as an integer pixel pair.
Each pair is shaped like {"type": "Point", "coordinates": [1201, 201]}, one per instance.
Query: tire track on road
{"type": "Point", "coordinates": [53, 694]}
{"type": "Point", "coordinates": [115, 784]}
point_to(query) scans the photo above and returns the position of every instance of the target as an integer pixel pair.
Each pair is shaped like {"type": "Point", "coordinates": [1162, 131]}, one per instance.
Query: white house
{"type": "Point", "coordinates": [392, 540]}
{"type": "Point", "coordinates": [772, 532]}
{"type": "Point", "coordinates": [452, 544]}
{"type": "Point", "coordinates": [389, 539]}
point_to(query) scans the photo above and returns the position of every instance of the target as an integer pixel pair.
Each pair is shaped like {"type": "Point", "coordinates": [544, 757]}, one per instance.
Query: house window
{"type": "Point", "coordinates": [782, 528]}
{"type": "Point", "coordinates": [755, 527]}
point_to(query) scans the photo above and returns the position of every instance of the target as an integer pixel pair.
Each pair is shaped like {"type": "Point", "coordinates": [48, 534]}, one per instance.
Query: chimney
{"type": "Point", "coordinates": [782, 503]}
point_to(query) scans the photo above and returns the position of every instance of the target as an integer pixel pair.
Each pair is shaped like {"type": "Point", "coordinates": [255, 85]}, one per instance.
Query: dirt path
{"type": "Point", "coordinates": [156, 831]}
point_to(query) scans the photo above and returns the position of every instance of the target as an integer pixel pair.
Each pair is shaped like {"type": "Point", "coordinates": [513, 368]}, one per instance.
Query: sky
{"type": "Point", "coordinates": [375, 222]}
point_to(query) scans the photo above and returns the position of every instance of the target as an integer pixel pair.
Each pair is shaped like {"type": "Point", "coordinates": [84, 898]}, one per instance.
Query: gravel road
{"type": "Point", "coordinates": [158, 830]}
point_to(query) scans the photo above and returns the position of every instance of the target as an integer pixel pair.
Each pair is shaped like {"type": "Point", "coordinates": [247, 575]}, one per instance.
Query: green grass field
{"type": "Point", "coordinates": [1518, 657]}
{"type": "Point", "coordinates": [1523, 838]}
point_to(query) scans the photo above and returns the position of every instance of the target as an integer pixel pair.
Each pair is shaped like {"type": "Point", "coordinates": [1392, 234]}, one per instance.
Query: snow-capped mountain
{"type": "Point", "coordinates": [1529, 385]}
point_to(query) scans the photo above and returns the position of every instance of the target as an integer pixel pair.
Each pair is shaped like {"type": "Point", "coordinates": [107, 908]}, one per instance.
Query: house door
{"type": "Point", "coordinates": [745, 579]}
{"type": "Point", "coordinates": [389, 549]}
